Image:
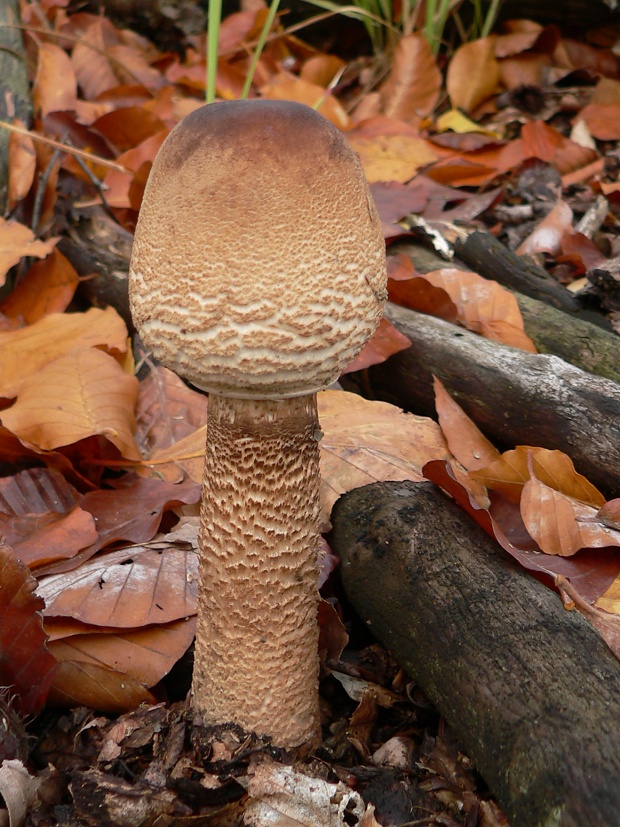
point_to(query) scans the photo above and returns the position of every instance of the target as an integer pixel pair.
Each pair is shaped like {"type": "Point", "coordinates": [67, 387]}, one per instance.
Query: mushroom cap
{"type": "Point", "coordinates": [258, 266]}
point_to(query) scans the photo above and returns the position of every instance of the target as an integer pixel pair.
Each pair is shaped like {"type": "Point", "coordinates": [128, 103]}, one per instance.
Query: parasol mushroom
{"type": "Point", "coordinates": [258, 273]}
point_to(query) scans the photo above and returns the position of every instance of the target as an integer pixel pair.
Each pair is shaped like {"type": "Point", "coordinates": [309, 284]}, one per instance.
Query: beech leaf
{"type": "Point", "coordinates": [26, 666]}
{"type": "Point", "coordinates": [90, 395]}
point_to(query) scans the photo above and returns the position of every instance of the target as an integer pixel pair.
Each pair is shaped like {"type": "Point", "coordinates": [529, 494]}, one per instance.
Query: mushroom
{"type": "Point", "coordinates": [258, 273]}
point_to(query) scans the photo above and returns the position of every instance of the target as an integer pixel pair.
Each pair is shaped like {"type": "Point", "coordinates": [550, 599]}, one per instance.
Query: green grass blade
{"type": "Point", "coordinates": [213, 36]}
{"type": "Point", "coordinates": [273, 10]}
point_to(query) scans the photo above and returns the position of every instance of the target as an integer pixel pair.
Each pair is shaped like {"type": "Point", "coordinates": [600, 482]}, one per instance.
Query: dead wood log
{"type": "Point", "coordinates": [15, 99]}
{"type": "Point", "coordinates": [491, 259]}
{"type": "Point", "coordinates": [579, 338]}
{"type": "Point", "coordinates": [531, 690]}
{"type": "Point", "coordinates": [99, 249]}
{"type": "Point", "coordinates": [516, 398]}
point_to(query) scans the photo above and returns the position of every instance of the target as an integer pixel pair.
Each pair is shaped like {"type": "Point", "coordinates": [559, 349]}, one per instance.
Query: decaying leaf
{"type": "Point", "coordinates": [280, 796]}
{"type": "Point", "coordinates": [366, 442]}
{"type": "Point", "coordinates": [26, 666]}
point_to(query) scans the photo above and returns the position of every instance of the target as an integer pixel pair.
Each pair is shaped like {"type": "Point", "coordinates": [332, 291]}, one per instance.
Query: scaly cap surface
{"type": "Point", "coordinates": [258, 267]}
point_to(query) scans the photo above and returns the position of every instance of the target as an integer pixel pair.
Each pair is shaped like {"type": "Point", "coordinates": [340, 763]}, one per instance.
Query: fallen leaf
{"type": "Point", "coordinates": [483, 306]}
{"type": "Point", "coordinates": [24, 353]}
{"type": "Point", "coordinates": [288, 87]}
{"type": "Point", "coordinates": [86, 684]}
{"type": "Point", "coordinates": [55, 84]}
{"type": "Point", "coordinates": [26, 666]}
{"type": "Point", "coordinates": [279, 796]}
{"type": "Point", "coordinates": [19, 790]}
{"type": "Point", "coordinates": [390, 150]}
{"type": "Point", "coordinates": [414, 83]}
{"type": "Point", "coordinates": [473, 74]}
{"type": "Point", "coordinates": [47, 287]}
{"type": "Point", "coordinates": [385, 341]}
{"type": "Point", "coordinates": [146, 655]}
{"type": "Point", "coordinates": [16, 241]}
{"type": "Point", "coordinates": [125, 589]}
{"type": "Point", "coordinates": [90, 395]}
{"type": "Point", "coordinates": [467, 444]}
{"type": "Point", "coordinates": [366, 442]}
{"type": "Point", "coordinates": [561, 524]}
{"type": "Point", "coordinates": [510, 472]}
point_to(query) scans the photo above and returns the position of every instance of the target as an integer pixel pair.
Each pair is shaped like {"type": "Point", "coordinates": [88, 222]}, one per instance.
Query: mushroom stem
{"type": "Point", "coordinates": [256, 657]}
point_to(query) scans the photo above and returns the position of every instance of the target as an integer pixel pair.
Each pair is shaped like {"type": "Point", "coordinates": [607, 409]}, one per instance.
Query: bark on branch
{"type": "Point", "coordinates": [531, 690]}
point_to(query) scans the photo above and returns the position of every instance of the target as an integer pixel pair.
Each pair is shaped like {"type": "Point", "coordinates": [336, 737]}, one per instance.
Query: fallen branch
{"type": "Point", "coordinates": [516, 398]}
{"type": "Point", "coordinates": [531, 690]}
{"type": "Point", "coordinates": [582, 338]}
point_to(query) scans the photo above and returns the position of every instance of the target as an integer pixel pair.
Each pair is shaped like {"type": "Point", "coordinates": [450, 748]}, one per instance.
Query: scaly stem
{"type": "Point", "coordinates": [256, 660]}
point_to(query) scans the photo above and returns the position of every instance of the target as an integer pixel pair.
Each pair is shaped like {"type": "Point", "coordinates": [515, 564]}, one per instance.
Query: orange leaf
{"type": "Point", "coordinates": [473, 74]}
{"type": "Point", "coordinates": [483, 306]}
{"type": "Point", "coordinates": [561, 524]}
{"type": "Point", "coordinates": [126, 589]}
{"type": "Point", "coordinates": [146, 655]}
{"type": "Point", "coordinates": [547, 235]}
{"type": "Point", "coordinates": [86, 684]}
{"type": "Point", "coordinates": [390, 150]}
{"type": "Point", "coordinates": [465, 440]}
{"type": "Point", "coordinates": [26, 667]}
{"type": "Point", "coordinates": [289, 87]}
{"type": "Point", "coordinates": [321, 69]}
{"type": "Point", "coordinates": [25, 352]}
{"type": "Point", "coordinates": [91, 66]}
{"type": "Point", "coordinates": [55, 85]}
{"type": "Point", "coordinates": [544, 142]}
{"type": "Point", "coordinates": [89, 394]}
{"type": "Point", "coordinates": [603, 120]}
{"type": "Point", "coordinates": [17, 240]}
{"type": "Point", "coordinates": [22, 165]}
{"type": "Point", "coordinates": [366, 442]}
{"type": "Point", "coordinates": [47, 287]}
{"type": "Point", "coordinates": [385, 341]}
{"type": "Point", "coordinates": [510, 472]}
{"type": "Point", "coordinates": [413, 86]}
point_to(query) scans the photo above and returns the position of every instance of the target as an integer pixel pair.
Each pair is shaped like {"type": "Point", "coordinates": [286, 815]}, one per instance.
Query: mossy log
{"type": "Point", "coordinates": [531, 690]}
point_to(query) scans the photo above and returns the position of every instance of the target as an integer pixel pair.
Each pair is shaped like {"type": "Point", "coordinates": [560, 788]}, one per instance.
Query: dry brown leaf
{"type": "Point", "coordinates": [473, 74]}
{"type": "Point", "coordinates": [55, 85]}
{"type": "Point", "coordinates": [17, 240]}
{"type": "Point", "coordinates": [90, 395]}
{"type": "Point", "coordinates": [322, 69]}
{"type": "Point", "coordinates": [547, 235]}
{"type": "Point", "coordinates": [606, 623]}
{"type": "Point", "coordinates": [539, 140]}
{"type": "Point", "coordinates": [87, 684]}
{"type": "Point", "coordinates": [510, 473]}
{"type": "Point", "coordinates": [280, 796]}
{"type": "Point", "coordinates": [467, 444]}
{"type": "Point", "coordinates": [390, 150]}
{"type": "Point", "coordinates": [47, 287]}
{"type": "Point", "coordinates": [484, 306]}
{"type": "Point", "coordinates": [413, 85]}
{"type": "Point", "coordinates": [289, 87]}
{"type": "Point", "coordinates": [23, 353]}
{"type": "Point", "coordinates": [22, 165]}
{"type": "Point", "coordinates": [561, 524]}
{"type": "Point", "coordinates": [91, 66]}
{"type": "Point", "coordinates": [125, 589]}
{"type": "Point", "coordinates": [144, 654]}
{"type": "Point", "coordinates": [366, 442]}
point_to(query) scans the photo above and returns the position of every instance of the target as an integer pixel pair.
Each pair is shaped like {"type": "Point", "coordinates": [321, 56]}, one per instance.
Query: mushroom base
{"type": "Point", "coordinates": [256, 656]}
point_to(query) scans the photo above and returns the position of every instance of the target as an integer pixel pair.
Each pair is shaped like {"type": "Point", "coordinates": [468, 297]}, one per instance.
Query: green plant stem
{"type": "Point", "coordinates": [271, 14]}
{"type": "Point", "coordinates": [213, 36]}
